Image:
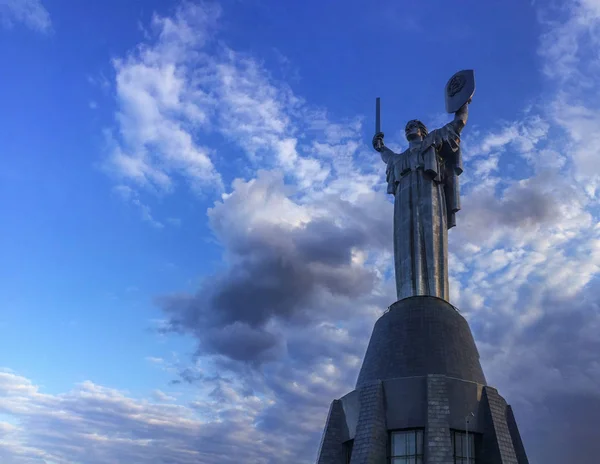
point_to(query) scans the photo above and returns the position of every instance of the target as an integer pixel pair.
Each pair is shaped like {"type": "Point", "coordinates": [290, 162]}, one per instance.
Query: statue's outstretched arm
{"type": "Point", "coordinates": [386, 154]}
{"type": "Point", "coordinates": [379, 146]}
{"type": "Point", "coordinates": [460, 117]}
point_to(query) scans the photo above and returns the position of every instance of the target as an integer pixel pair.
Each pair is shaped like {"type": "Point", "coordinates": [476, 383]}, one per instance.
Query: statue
{"type": "Point", "coordinates": [424, 182]}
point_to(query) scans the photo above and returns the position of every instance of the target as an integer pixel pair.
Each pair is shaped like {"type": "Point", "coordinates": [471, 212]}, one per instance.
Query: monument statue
{"type": "Point", "coordinates": [421, 395]}
{"type": "Point", "coordinates": [424, 182]}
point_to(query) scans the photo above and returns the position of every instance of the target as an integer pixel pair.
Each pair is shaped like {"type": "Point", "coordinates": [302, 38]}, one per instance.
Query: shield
{"type": "Point", "coordinates": [459, 89]}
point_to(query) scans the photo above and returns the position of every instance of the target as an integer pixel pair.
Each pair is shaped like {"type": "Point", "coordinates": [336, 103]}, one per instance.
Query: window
{"type": "Point", "coordinates": [462, 448]}
{"type": "Point", "coordinates": [348, 451]}
{"type": "Point", "coordinates": [407, 447]}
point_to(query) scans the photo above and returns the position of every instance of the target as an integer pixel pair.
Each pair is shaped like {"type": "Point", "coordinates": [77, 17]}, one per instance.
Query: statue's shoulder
{"type": "Point", "coordinates": [437, 133]}
{"type": "Point", "coordinates": [438, 136]}
{"type": "Point", "coordinates": [396, 156]}
{"type": "Point", "coordinates": [431, 138]}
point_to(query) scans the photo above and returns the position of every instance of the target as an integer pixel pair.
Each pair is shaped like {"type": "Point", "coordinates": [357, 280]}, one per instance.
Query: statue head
{"type": "Point", "coordinates": [415, 129]}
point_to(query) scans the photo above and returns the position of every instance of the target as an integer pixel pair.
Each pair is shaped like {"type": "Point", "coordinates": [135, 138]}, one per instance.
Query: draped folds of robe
{"type": "Point", "coordinates": [424, 181]}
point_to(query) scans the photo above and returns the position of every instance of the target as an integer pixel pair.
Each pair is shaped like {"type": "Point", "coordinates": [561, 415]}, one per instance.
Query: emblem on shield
{"type": "Point", "coordinates": [459, 89]}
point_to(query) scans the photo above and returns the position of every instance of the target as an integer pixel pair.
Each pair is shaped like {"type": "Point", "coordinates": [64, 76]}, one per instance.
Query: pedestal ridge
{"type": "Point", "coordinates": [418, 336]}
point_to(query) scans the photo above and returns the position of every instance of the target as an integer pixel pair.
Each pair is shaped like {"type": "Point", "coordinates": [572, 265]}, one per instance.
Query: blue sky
{"type": "Point", "coordinates": [196, 236]}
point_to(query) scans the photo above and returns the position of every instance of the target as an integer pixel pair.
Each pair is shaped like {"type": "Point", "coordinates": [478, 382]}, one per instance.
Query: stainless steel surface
{"type": "Point", "coordinates": [378, 115]}
{"type": "Point", "coordinates": [424, 182]}
{"type": "Point", "coordinates": [459, 90]}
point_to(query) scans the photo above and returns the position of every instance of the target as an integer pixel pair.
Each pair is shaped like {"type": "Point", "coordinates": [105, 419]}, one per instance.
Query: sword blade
{"type": "Point", "coordinates": [377, 115]}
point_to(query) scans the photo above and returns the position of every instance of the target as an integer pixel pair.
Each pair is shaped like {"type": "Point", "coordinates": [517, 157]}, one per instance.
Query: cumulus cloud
{"type": "Point", "coordinates": [31, 13]}
{"type": "Point", "coordinates": [284, 260]}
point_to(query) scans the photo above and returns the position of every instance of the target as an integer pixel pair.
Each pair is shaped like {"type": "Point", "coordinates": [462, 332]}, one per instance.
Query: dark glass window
{"type": "Point", "coordinates": [462, 448]}
{"type": "Point", "coordinates": [407, 447]}
{"type": "Point", "coordinates": [348, 451]}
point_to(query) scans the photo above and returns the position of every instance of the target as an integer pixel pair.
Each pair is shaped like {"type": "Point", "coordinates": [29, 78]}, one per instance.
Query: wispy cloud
{"type": "Point", "coordinates": [162, 397]}
{"type": "Point", "coordinates": [31, 13]}
{"type": "Point", "coordinates": [131, 196]}
{"type": "Point", "coordinates": [161, 108]}
{"type": "Point", "coordinates": [179, 89]}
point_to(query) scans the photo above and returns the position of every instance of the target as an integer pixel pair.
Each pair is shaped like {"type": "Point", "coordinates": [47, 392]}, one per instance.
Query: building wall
{"type": "Point", "coordinates": [406, 404]}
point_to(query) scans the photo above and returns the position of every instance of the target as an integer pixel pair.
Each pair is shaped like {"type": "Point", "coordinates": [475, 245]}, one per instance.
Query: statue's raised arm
{"type": "Point", "coordinates": [458, 94]}
{"type": "Point", "coordinates": [461, 116]}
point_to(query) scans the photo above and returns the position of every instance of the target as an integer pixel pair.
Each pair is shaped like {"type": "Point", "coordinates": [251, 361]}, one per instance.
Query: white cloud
{"type": "Point", "coordinates": [129, 195]}
{"type": "Point", "coordinates": [95, 424]}
{"type": "Point", "coordinates": [230, 418]}
{"type": "Point", "coordinates": [29, 12]}
{"type": "Point", "coordinates": [161, 108]}
{"type": "Point", "coordinates": [162, 397]}
{"type": "Point", "coordinates": [177, 90]}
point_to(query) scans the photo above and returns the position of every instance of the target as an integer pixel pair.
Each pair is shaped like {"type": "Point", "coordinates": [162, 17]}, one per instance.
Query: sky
{"type": "Point", "coordinates": [196, 236]}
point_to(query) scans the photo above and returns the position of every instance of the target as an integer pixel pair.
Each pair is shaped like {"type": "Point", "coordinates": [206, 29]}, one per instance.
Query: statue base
{"type": "Point", "coordinates": [421, 375]}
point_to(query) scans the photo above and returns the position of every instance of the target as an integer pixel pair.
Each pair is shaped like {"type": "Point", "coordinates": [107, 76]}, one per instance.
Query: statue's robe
{"type": "Point", "coordinates": [424, 182]}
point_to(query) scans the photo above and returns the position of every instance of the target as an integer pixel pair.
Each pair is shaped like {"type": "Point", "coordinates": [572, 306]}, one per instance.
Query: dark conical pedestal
{"type": "Point", "coordinates": [420, 388]}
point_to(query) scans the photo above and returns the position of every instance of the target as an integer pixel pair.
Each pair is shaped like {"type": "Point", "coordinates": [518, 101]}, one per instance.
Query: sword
{"type": "Point", "coordinates": [378, 118]}
{"type": "Point", "coordinates": [377, 115]}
